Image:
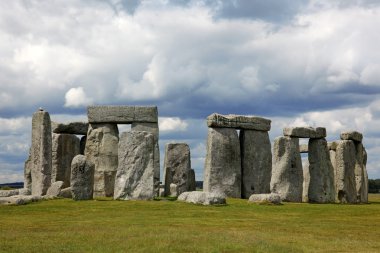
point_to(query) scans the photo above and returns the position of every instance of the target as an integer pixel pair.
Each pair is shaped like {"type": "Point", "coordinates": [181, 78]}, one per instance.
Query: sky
{"type": "Point", "coordinates": [296, 62]}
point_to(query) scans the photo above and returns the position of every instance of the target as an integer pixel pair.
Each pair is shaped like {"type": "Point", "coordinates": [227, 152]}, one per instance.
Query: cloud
{"type": "Point", "coordinates": [76, 97]}
{"type": "Point", "coordinates": [173, 124]}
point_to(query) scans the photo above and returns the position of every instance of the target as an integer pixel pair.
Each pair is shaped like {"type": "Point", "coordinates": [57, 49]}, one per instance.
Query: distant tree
{"type": "Point", "coordinates": [374, 185]}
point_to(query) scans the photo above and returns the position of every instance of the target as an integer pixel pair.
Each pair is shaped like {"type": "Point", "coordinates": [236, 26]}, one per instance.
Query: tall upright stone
{"type": "Point", "coordinates": [28, 172]}
{"type": "Point", "coordinates": [321, 187]}
{"type": "Point", "coordinates": [41, 152]}
{"type": "Point", "coordinates": [256, 160]}
{"type": "Point", "coordinates": [360, 174]}
{"type": "Point", "coordinates": [306, 181]}
{"type": "Point", "coordinates": [135, 174]}
{"type": "Point", "coordinates": [177, 166]}
{"type": "Point", "coordinates": [102, 150]}
{"type": "Point", "coordinates": [222, 171]}
{"type": "Point", "coordinates": [82, 144]}
{"type": "Point", "coordinates": [364, 189]}
{"type": "Point", "coordinates": [287, 174]}
{"type": "Point", "coordinates": [82, 178]}
{"type": "Point", "coordinates": [64, 148]}
{"type": "Point", "coordinates": [192, 183]}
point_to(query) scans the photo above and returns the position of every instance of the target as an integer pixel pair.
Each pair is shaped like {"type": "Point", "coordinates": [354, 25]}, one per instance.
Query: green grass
{"type": "Point", "coordinates": [64, 225]}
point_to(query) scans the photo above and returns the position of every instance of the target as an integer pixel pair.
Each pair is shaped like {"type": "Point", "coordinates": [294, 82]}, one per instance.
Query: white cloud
{"type": "Point", "coordinates": [76, 97]}
{"type": "Point", "coordinates": [174, 124]}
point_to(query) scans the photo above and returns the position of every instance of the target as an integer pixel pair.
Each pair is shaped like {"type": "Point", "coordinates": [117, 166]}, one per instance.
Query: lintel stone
{"type": "Point", "coordinates": [305, 132]}
{"type": "Point", "coordinates": [69, 128]}
{"type": "Point", "coordinates": [122, 114]}
{"type": "Point", "coordinates": [239, 122]}
{"type": "Point", "coordinates": [351, 135]}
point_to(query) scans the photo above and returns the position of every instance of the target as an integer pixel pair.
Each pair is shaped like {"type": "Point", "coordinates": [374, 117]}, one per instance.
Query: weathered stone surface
{"type": "Point", "coordinates": [102, 150]}
{"type": "Point", "coordinates": [305, 132]}
{"type": "Point", "coordinates": [256, 160]}
{"type": "Point", "coordinates": [55, 189]}
{"type": "Point", "coordinates": [321, 187]}
{"type": "Point", "coordinates": [238, 122]}
{"type": "Point", "coordinates": [364, 192]}
{"type": "Point", "coordinates": [203, 198]}
{"type": "Point", "coordinates": [177, 166]}
{"type": "Point", "coordinates": [8, 193]}
{"type": "Point", "coordinates": [19, 199]}
{"type": "Point", "coordinates": [41, 153]}
{"type": "Point", "coordinates": [65, 193]}
{"type": "Point", "coordinates": [361, 174]}
{"type": "Point", "coordinates": [304, 148]}
{"type": "Point", "coordinates": [64, 148]}
{"type": "Point", "coordinates": [161, 192]}
{"type": "Point", "coordinates": [345, 172]}
{"type": "Point", "coordinates": [287, 174]}
{"type": "Point", "coordinates": [28, 172]}
{"type": "Point", "coordinates": [151, 128]}
{"type": "Point", "coordinates": [192, 183]}
{"type": "Point", "coordinates": [332, 145]}
{"type": "Point", "coordinates": [25, 191]}
{"type": "Point", "coordinates": [351, 135]}
{"type": "Point", "coordinates": [222, 171]}
{"type": "Point", "coordinates": [134, 178]}
{"type": "Point", "coordinates": [306, 181]}
{"type": "Point", "coordinates": [82, 178]}
{"type": "Point", "coordinates": [82, 144]}
{"type": "Point", "coordinates": [173, 192]}
{"type": "Point", "coordinates": [122, 114]}
{"type": "Point", "coordinates": [272, 198]}
{"type": "Point", "coordinates": [79, 128]}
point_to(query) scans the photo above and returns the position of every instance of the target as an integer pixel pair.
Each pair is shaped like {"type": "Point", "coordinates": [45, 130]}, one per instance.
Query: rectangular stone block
{"type": "Point", "coordinates": [351, 135]}
{"type": "Point", "coordinates": [239, 122]}
{"type": "Point", "coordinates": [305, 132]}
{"type": "Point", "coordinates": [122, 114]}
{"type": "Point", "coordinates": [69, 128]}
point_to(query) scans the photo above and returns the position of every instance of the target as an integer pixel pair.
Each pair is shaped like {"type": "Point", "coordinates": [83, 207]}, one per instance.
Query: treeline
{"type": "Point", "coordinates": [374, 185]}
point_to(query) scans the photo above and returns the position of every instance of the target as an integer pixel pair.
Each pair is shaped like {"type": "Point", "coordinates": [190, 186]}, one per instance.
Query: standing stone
{"type": "Point", "coordinates": [177, 166]}
{"type": "Point", "coordinates": [256, 158]}
{"type": "Point", "coordinates": [82, 144]}
{"type": "Point", "coordinates": [173, 190]}
{"type": "Point", "coordinates": [64, 148]}
{"type": "Point", "coordinates": [28, 172]}
{"type": "Point", "coordinates": [360, 174]}
{"type": "Point", "coordinates": [151, 128]}
{"type": "Point", "coordinates": [55, 188]}
{"type": "Point", "coordinates": [41, 153]}
{"type": "Point", "coordinates": [222, 172]}
{"type": "Point", "coordinates": [306, 181]}
{"type": "Point", "coordinates": [364, 197]}
{"type": "Point", "coordinates": [82, 178]}
{"type": "Point", "coordinates": [101, 149]}
{"type": "Point", "coordinates": [287, 174]}
{"type": "Point", "coordinates": [192, 183]}
{"type": "Point", "coordinates": [321, 187]}
{"type": "Point", "coordinates": [345, 172]}
{"type": "Point", "coordinates": [134, 178]}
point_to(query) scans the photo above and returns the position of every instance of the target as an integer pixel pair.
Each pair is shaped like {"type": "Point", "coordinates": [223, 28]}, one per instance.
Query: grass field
{"type": "Point", "coordinates": [64, 225]}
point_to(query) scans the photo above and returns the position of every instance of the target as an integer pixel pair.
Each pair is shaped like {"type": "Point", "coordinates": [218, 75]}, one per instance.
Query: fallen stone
{"type": "Point", "coordinates": [79, 128]}
{"type": "Point", "coordinates": [173, 190]}
{"type": "Point", "coordinates": [256, 160]}
{"type": "Point", "coordinates": [82, 178]}
{"type": "Point", "coordinates": [305, 132]}
{"type": "Point", "coordinates": [306, 181]}
{"type": "Point", "coordinates": [134, 178]}
{"type": "Point", "coordinates": [238, 122]}
{"type": "Point", "coordinates": [8, 193]}
{"type": "Point", "coordinates": [25, 191]}
{"type": "Point", "coordinates": [271, 198]}
{"type": "Point", "coordinates": [351, 135]}
{"type": "Point", "coordinates": [304, 148]}
{"type": "Point", "coordinates": [203, 198]}
{"type": "Point", "coordinates": [122, 114]}
{"type": "Point", "coordinates": [177, 166]}
{"type": "Point", "coordinates": [322, 186]}
{"type": "Point", "coordinates": [65, 193]}
{"type": "Point", "coordinates": [55, 189]}
{"type": "Point", "coordinates": [19, 199]}
{"type": "Point", "coordinates": [287, 173]}
{"type": "Point", "coordinates": [192, 182]}
{"type": "Point", "coordinates": [222, 172]}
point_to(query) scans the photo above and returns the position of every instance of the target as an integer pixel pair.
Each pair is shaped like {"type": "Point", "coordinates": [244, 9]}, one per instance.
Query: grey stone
{"type": "Point", "coordinates": [102, 150]}
{"type": "Point", "coordinates": [332, 145]}
{"type": "Point", "coordinates": [28, 172]}
{"type": "Point", "coordinates": [173, 190]}
{"type": "Point", "coordinates": [65, 193]}
{"type": "Point", "coordinates": [272, 198]}
{"type": "Point", "coordinates": [55, 189]}
{"type": "Point", "coordinates": [19, 199]}
{"type": "Point", "coordinates": [79, 128]}
{"type": "Point", "coordinates": [287, 173]}
{"type": "Point", "coordinates": [322, 186]}
{"type": "Point", "coordinates": [82, 178]}
{"type": "Point", "coordinates": [161, 192]}
{"type": "Point", "coordinates": [177, 166]}
{"type": "Point", "coordinates": [25, 191]}
{"type": "Point", "coordinates": [8, 193]}
{"type": "Point", "coordinates": [345, 172]}
{"type": "Point", "coordinates": [203, 198]}
{"type": "Point", "coordinates": [222, 171]}
{"type": "Point", "coordinates": [306, 181]}
{"type": "Point", "coordinates": [122, 114]}
{"type": "Point", "coordinates": [361, 177]}
{"type": "Point", "coordinates": [304, 148]}
{"type": "Point", "coordinates": [64, 148]}
{"type": "Point", "coordinates": [351, 135]}
{"type": "Point", "coordinates": [256, 160]}
{"type": "Point", "coordinates": [364, 192]}
{"type": "Point", "coordinates": [82, 144]}
{"type": "Point", "coordinates": [238, 122]}
{"type": "Point", "coordinates": [192, 183]}
{"type": "Point", "coordinates": [134, 178]}
{"type": "Point", "coordinates": [305, 132]}
{"type": "Point", "coordinates": [41, 153]}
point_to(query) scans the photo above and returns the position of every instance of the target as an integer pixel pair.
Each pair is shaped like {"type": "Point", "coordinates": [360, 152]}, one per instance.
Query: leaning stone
{"type": "Point", "coordinates": [8, 193]}
{"type": "Point", "coordinates": [305, 132]}
{"type": "Point", "coordinates": [134, 178]}
{"type": "Point", "coordinates": [82, 178]}
{"type": "Point", "coordinates": [304, 148]}
{"type": "Point", "coordinates": [271, 198]}
{"type": "Point", "coordinates": [321, 187]}
{"type": "Point", "coordinates": [41, 153]}
{"type": "Point", "coordinates": [78, 128]}
{"type": "Point", "coordinates": [306, 182]}
{"type": "Point", "coordinates": [65, 147]}
{"type": "Point", "coordinates": [351, 135]}
{"type": "Point", "coordinates": [177, 166]}
{"type": "Point", "coordinates": [122, 114]}
{"type": "Point", "coordinates": [55, 189]}
{"type": "Point", "coordinates": [203, 198]}
{"type": "Point", "coordinates": [65, 193]}
{"type": "Point", "coordinates": [101, 150]}
{"type": "Point", "coordinates": [287, 174]}
{"type": "Point", "coordinates": [256, 160]}
{"type": "Point", "coordinates": [238, 122]}
{"type": "Point", "coordinates": [192, 183]}
{"type": "Point", "coordinates": [222, 172]}
{"type": "Point", "coordinates": [173, 190]}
